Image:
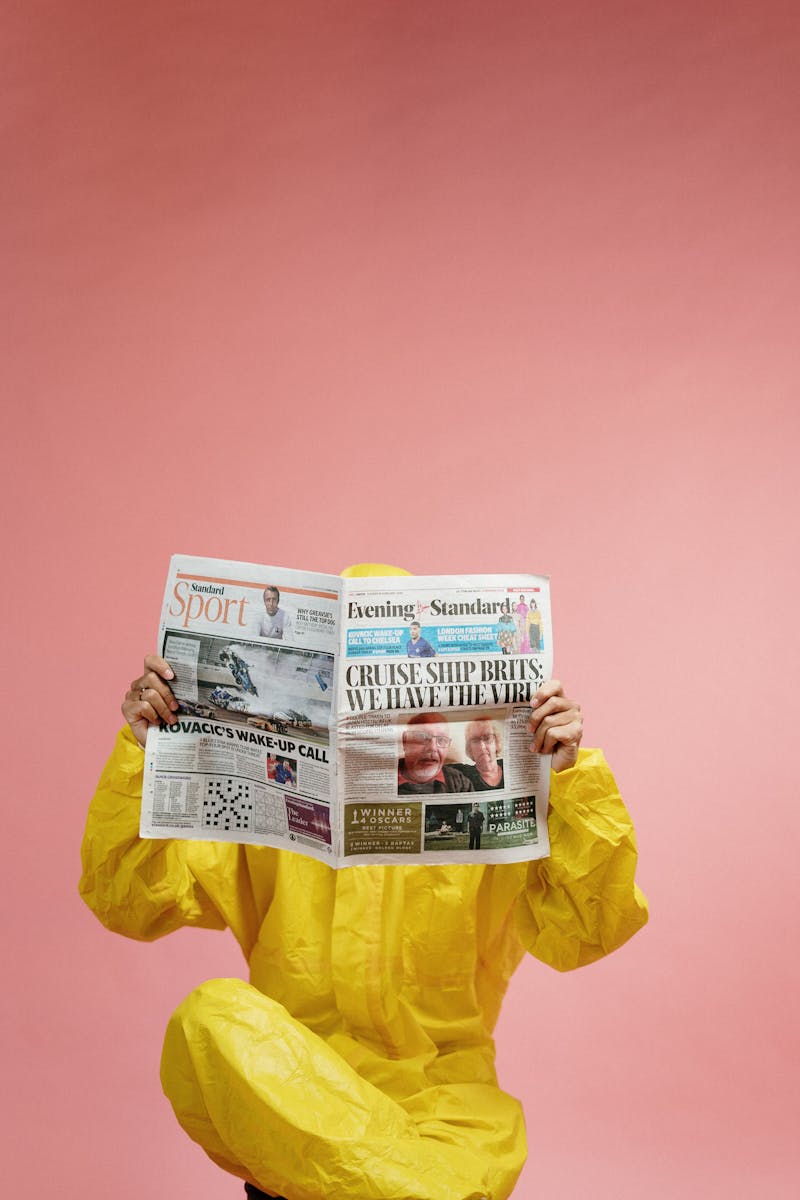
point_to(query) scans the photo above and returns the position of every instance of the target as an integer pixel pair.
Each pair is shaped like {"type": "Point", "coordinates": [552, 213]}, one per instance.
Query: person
{"type": "Point", "coordinates": [276, 622]}
{"type": "Point", "coordinates": [284, 772]}
{"type": "Point", "coordinates": [482, 744]}
{"type": "Point", "coordinates": [533, 623]}
{"type": "Point", "coordinates": [475, 826]}
{"type": "Point", "coordinates": [505, 632]}
{"type": "Point", "coordinates": [521, 611]}
{"type": "Point", "coordinates": [423, 770]}
{"type": "Point", "coordinates": [358, 1060]}
{"type": "Point", "coordinates": [417, 646]}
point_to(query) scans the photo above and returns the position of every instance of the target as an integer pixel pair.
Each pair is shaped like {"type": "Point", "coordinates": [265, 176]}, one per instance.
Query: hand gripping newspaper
{"type": "Point", "coordinates": [364, 720]}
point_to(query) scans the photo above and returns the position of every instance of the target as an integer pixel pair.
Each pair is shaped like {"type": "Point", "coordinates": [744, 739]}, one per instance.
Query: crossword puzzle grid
{"type": "Point", "coordinates": [227, 804]}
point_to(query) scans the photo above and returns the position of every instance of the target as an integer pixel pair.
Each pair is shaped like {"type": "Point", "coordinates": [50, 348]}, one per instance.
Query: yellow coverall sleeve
{"type": "Point", "coordinates": [582, 902]}
{"type": "Point", "coordinates": [146, 888]}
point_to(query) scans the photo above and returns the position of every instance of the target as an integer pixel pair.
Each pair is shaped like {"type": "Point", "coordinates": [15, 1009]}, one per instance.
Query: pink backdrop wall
{"type": "Point", "coordinates": [462, 286]}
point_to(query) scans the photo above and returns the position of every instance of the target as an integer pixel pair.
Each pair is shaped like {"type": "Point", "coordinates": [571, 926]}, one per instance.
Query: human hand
{"type": "Point", "coordinates": [556, 724]}
{"type": "Point", "coordinates": [150, 699]}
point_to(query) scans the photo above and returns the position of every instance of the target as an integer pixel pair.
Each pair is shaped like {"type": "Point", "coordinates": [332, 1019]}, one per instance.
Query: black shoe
{"type": "Point", "coordinates": [254, 1193]}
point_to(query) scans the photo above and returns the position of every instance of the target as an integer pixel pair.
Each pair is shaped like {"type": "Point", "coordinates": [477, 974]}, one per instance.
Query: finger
{"type": "Point", "coordinates": [161, 667]}
{"type": "Point", "coordinates": [553, 687]}
{"type": "Point", "coordinates": [558, 721]}
{"type": "Point", "coordinates": [558, 704]}
{"type": "Point", "coordinates": [152, 698]}
{"type": "Point", "coordinates": [135, 710]}
{"type": "Point", "coordinates": [551, 704]}
{"type": "Point", "coordinates": [562, 735]}
{"type": "Point", "coordinates": [147, 713]}
{"type": "Point", "coordinates": [562, 716]}
{"type": "Point", "coordinates": [153, 682]}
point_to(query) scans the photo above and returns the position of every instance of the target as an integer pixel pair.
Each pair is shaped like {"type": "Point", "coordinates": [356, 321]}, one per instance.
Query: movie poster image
{"type": "Point", "coordinates": [481, 824]}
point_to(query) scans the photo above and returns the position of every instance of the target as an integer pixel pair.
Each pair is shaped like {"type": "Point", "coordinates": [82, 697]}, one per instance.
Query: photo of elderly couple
{"type": "Point", "coordinates": [440, 756]}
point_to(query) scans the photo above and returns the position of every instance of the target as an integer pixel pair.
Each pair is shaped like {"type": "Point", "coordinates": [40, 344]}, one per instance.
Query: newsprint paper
{"type": "Point", "coordinates": [353, 720]}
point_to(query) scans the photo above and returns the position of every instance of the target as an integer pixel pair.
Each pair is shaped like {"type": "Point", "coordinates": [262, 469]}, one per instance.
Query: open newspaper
{"type": "Point", "coordinates": [380, 720]}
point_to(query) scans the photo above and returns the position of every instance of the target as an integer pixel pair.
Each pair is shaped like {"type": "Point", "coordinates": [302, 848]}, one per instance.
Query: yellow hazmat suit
{"type": "Point", "coordinates": [358, 1062]}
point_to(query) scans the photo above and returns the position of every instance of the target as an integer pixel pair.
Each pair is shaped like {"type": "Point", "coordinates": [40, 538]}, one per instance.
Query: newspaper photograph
{"type": "Point", "coordinates": [358, 721]}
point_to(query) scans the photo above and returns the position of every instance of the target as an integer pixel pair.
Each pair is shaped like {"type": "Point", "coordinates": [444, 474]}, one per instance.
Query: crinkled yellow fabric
{"type": "Point", "coordinates": [358, 1062]}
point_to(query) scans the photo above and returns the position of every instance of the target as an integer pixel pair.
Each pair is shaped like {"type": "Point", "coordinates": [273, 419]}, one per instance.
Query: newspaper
{"type": "Point", "coordinates": [367, 720]}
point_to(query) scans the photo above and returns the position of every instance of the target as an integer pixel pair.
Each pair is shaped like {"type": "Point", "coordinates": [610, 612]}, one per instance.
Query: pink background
{"type": "Point", "coordinates": [461, 286]}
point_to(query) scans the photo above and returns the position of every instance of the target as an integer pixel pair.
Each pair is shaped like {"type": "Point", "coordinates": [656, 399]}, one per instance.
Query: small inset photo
{"type": "Point", "coordinates": [308, 819]}
{"type": "Point", "coordinates": [527, 619]}
{"type": "Point", "coordinates": [455, 826]}
{"type": "Point", "coordinates": [282, 771]}
{"type": "Point", "coordinates": [438, 755]}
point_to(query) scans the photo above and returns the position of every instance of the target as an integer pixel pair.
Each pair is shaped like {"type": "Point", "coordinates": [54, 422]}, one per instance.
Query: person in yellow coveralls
{"type": "Point", "coordinates": [358, 1062]}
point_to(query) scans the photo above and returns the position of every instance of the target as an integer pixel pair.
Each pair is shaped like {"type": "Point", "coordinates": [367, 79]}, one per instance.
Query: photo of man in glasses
{"type": "Point", "coordinates": [423, 768]}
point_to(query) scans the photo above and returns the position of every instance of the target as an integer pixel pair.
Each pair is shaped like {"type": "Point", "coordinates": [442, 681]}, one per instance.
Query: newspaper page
{"type": "Point", "coordinates": [433, 742]}
{"type": "Point", "coordinates": [357, 721]}
{"type": "Point", "coordinates": [251, 756]}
